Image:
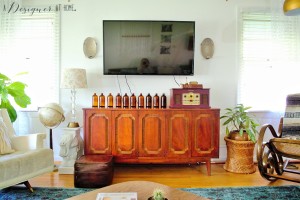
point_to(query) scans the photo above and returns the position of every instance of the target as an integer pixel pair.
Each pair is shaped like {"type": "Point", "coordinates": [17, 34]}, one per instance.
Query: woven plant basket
{"type": "Point", "coordinates": [239, 156]}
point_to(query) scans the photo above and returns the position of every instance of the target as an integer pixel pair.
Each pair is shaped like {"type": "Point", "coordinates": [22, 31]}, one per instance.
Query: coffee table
{"type": "Point", "coordinates": [144, 190]}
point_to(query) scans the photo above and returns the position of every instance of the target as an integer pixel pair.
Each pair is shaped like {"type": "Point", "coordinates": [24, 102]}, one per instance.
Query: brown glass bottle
{"type": "Point", "coordinates": [118, 101]}
{"type": "Point", "coordinates": [102, 101]}
{"type": "Point", "coordinates": [110, 100]}
{"type": "Point", "coordinates": [95, 101]}
{"type": "Point", "coordinates": [132, 101]}
{"type": "Point", "coordinates": [141, 101]}
{"type": "Point", "coordinates": [156, 101]}
{"type": "Point", "coordinates": [125, 101]}
{"type": "Point", "coordinates": [148, 101]}
{"type": "Point", "coordinates": [163, 101]}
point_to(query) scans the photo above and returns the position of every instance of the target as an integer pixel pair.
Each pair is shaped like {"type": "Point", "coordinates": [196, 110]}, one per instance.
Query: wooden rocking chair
{"type": "Point", "coordinates": [273, 156]}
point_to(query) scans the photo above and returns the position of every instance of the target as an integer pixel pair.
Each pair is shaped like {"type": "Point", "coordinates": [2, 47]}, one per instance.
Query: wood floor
{"type": "Point", "coordinates": [177, 176]}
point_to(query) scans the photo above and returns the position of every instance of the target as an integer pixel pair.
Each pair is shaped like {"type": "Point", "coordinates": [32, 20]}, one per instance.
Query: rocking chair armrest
{"type": "Point", "coordinates": [260, 140]}
{"type": "Point", "coordinates": [262, 133]}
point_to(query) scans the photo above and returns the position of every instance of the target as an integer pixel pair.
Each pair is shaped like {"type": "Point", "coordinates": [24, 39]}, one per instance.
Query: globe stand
{"type": "Point", "coordinates": [50, 135]}
{"type": "Point", "coordinates": [51, 115]}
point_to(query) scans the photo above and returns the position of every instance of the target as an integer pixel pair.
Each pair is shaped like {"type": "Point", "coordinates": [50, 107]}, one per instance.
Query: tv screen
{"type": "Point", "coordinates": [148, 47]}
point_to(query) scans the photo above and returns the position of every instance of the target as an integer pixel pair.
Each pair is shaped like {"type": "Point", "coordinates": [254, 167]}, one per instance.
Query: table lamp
{"type": "Point", "coordinates": [73, 78]}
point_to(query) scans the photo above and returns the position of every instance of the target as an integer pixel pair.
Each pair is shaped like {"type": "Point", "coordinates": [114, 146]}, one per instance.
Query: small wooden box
{"type": "Point", "coordinates": [189, 98]}
{"type": "Point", "coordinates": [93, 171]}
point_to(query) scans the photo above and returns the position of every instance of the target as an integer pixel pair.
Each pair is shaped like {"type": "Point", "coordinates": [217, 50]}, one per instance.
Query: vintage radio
{"type": "Point", "coordinates": [189, 98]}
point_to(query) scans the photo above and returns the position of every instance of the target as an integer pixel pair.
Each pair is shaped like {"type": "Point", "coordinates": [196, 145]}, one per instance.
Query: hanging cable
{"type": "Point", "coordinates": [176, 81]}
{"type": "Point", "coordinates": [119, 85]}
{"type": "Point", "coordinates": [128, 85]}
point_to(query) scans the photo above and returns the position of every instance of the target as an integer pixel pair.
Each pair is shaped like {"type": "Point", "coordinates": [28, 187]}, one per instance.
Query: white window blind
{"type": "Point", "coordinates": [31, 43]}
{"type": "Point", "coordinates": [269, 60]}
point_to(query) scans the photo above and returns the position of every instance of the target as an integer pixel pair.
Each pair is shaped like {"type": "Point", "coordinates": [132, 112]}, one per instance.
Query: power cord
{"type": "Point", "coordinates": [176, 81]}
{"type": "Point", "coordinates": [128, 85]}
{"type": "Point", "coordinates": [119, 85]}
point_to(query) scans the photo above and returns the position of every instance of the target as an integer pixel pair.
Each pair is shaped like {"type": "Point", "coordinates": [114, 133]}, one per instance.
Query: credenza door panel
{"type": "Point", "coordinates": [97, 133]}
{"type": "Point", "coordinates": [152, 139]}
{"type": "Point", "coordinates": [178, 133]}
{"type": "Point", "coordinates": [125, 133]}
{"type": "Point", "coordinates": [205, 130]}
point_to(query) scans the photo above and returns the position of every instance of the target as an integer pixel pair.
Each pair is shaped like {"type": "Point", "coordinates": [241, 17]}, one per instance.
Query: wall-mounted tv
{"type": "Point", "coordinates": [148, 47]}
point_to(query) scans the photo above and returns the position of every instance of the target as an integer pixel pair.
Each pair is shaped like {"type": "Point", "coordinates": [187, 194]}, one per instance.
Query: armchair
{"type": "Point", "coordinates": [273, 156]}
{"type": "Point", "coordinates": [26, 159]}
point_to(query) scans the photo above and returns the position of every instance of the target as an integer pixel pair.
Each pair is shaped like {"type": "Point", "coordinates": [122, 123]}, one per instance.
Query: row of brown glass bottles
{"type": "Point", "coordinates": [131, 101]}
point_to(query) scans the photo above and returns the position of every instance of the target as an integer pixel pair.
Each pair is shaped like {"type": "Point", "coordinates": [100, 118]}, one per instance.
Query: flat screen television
{"type": "Point", "coordinates": [148, 47]}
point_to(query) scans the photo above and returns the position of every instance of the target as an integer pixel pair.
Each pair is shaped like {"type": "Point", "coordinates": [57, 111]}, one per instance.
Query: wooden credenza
{"type": "Point", "coordinates": [153, 135]}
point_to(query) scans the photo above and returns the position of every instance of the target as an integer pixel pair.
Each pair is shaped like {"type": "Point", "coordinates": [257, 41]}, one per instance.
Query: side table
{"type": "Point", "coordinates": [71, 148]}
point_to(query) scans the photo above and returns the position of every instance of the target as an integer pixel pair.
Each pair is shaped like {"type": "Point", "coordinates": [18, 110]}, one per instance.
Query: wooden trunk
{"type": "Point", "coordinates": [93, 171]}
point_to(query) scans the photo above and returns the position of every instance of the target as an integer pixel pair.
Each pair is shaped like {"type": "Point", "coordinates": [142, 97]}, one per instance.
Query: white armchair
{"type": "Point", "coordinates": [28, 160]}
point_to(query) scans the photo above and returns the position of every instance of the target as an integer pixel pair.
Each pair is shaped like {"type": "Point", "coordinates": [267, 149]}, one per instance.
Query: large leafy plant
{"type": "Point", "coordinates": [12, 89]}
{"type": "Point", "coordinates": [238, 119]}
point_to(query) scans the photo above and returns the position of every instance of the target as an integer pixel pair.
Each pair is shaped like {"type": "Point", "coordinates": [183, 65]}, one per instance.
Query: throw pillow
{"type": "Point", "coordinates": [291, 120]}
{"type": "Point", "coordinates": [5, 143]}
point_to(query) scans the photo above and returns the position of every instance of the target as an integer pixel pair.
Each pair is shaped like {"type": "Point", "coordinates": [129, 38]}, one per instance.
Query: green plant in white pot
{"type": "Point", "coordinates": [12, 89]}
{"type": "Point", "coordinates": [241, 132]}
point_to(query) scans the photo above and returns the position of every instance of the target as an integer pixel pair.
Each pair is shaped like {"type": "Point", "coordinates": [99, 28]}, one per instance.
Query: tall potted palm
{"type": "Point", "coordinates": [12, 89]}
{"type": "Point", "coordinates": [241, 135]}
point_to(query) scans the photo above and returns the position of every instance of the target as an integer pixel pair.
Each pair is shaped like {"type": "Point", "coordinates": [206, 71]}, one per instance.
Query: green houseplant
{"type": "Point", "coordinates": [158, 194]}
{"type": "Point", "coordinates": [12, 89]}
{"type": "Point", "coordinates": [241, 132]}
{"type": "Point", "coordinates": [238, 120]}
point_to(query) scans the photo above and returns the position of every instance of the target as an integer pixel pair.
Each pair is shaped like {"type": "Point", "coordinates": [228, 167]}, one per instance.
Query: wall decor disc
{"type": "Point", "coordinates": [207, 48]}
{"type": "Point", "coordinates": [90, 47]}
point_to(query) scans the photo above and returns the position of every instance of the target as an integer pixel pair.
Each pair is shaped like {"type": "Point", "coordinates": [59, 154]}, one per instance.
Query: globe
{"type": "Point", "coordinates": [51, 115]}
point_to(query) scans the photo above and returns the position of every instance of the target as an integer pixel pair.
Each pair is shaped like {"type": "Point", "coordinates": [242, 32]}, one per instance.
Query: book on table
{"type": "Point", "coordinates": [117, 196]}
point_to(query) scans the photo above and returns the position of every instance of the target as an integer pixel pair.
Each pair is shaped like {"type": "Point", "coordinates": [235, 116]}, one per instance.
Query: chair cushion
{"type": "Point", "coordinates": [5, 143]}
{"type": "Point", "coordinates": [24, 163]}
{"type": "Point", "coordinates": [291, 120]}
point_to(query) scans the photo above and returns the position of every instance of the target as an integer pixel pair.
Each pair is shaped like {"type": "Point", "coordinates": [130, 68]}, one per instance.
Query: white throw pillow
{"type": "Point", "coordinates": [5, 143]}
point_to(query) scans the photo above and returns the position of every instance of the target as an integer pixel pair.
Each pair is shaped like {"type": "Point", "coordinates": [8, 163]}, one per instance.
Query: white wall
{"type": "Point", "coordinates": [216, 19]}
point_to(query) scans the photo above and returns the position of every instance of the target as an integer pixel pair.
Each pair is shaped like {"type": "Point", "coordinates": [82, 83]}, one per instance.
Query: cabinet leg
{"type": "Point", "coordinates": [208, 167]}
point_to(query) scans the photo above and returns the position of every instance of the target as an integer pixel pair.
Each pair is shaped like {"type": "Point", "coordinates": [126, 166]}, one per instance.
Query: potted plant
{"type": "Point", "coordinates": [16, 90]}
{"type": "Point", "coordinates": [158, 194]}
{"type": "Point", "coordinates": [241, 132]}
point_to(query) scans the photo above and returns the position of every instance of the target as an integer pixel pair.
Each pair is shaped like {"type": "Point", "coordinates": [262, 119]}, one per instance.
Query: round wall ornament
{"type": "Point", "coordinates": [207, 48]}
{"type": "Point", "coordinates": [90, 47]}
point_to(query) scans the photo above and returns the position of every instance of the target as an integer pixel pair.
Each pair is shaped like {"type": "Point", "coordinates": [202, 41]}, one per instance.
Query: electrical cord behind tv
{"type": "Point", "coordinates": [128, 85]}
{"type": "Point", "coordinates": [119, 85]}
{"type": "Point", "coordinates": [176, 81]}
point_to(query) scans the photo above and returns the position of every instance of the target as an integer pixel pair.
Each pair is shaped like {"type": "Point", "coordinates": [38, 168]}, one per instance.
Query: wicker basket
{"type": "Point", "coordinates": [239, 156]}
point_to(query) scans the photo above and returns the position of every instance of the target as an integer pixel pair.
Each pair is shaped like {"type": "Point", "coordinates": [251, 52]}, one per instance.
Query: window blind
{"type": "Point", "coordinates": [269, 60]}
{"type": "Point", "coordinates": [31, 43]}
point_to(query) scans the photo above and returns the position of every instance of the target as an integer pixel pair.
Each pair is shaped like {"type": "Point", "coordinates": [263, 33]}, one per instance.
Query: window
{"type": "Point", "coordinates": [269, 62]}
{"type": "Point", "coordinates": [30, 43]}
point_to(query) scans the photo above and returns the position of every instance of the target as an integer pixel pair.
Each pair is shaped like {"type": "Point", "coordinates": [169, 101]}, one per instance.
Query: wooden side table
{"type": "Point", "coordinates": [71, 148]}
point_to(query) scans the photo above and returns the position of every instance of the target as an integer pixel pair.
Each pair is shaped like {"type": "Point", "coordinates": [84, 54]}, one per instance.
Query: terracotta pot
{"type": "Point", "coordinates": [235, 135]}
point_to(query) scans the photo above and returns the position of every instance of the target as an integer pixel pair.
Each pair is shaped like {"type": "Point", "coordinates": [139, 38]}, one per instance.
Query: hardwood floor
{"type": "Point", "coordinates": [177, 176]}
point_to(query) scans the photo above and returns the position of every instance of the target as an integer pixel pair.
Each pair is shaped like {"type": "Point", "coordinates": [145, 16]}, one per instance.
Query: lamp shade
{"type": "Point", "coordinates": [73, 78]}
{"type": "Point", "coordinates": [291, 7]}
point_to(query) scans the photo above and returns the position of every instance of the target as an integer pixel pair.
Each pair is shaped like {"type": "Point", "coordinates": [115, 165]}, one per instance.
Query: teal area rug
{"type": "Point", "coordinates": [228, 193]}
{"type": "Point", "coordinates": [248, 193]}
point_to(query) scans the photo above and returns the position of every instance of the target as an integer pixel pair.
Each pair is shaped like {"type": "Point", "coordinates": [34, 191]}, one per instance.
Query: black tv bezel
{"type": "Point", "coordinates": [162, 21]}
